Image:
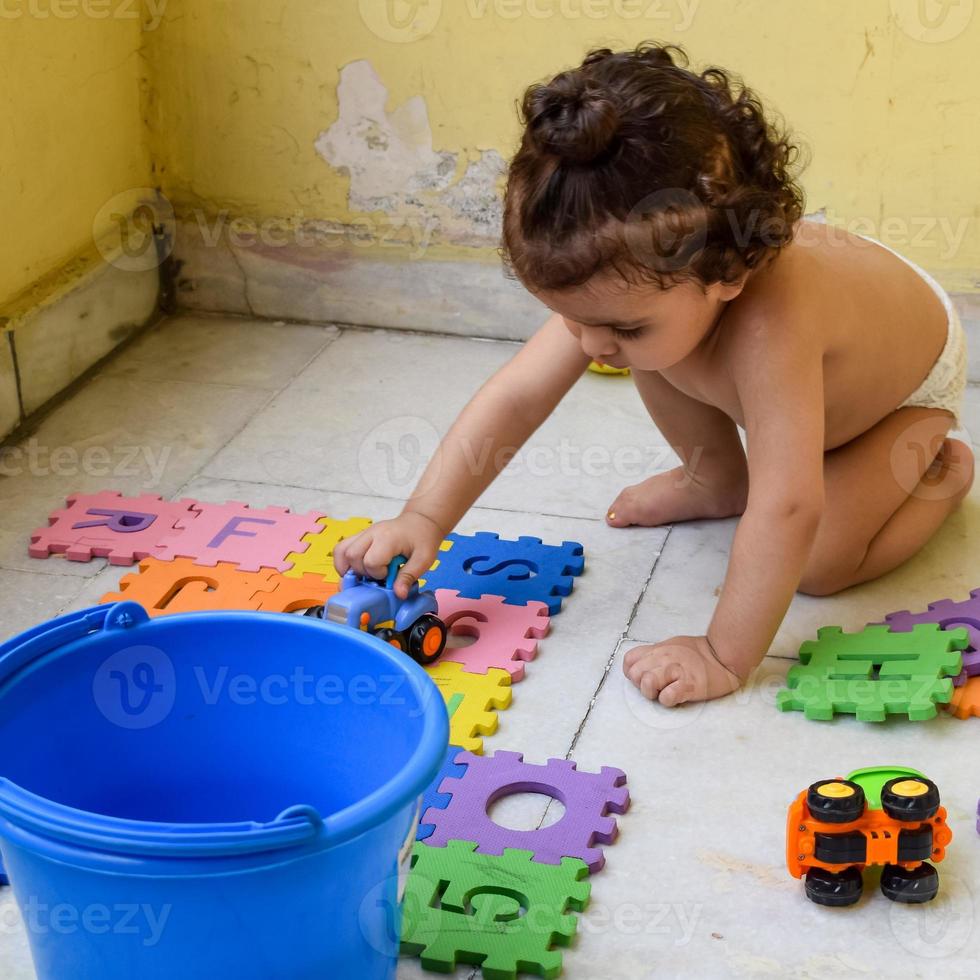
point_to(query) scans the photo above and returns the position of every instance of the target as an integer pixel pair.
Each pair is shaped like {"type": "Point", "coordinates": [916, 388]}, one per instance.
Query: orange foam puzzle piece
{"type": "Point", "coordinates": [966, 699]}
{"type": "Point", "coordinates": [163, 587]}
{"type": "Point", "coordinates": [292, 594]}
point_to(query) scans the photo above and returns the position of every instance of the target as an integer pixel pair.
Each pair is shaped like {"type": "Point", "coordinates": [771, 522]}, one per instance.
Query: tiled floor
{"type": "Point", "coordinates": [340, 420]}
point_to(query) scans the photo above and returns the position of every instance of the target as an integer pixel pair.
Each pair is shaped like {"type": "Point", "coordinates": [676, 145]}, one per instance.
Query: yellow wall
{"type": "Point", "coordinates": [244, 87]}
{"type": "Point", "coordinates": [236, 92]}
{"type": "Point", "coordinates": [71, 134]}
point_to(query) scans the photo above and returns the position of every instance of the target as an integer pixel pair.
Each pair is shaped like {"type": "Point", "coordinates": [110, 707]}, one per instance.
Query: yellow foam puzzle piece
{"type": "Point", "coordinates": [472, 700]}
{"type": "Point", "coordinates": [445, 546]}
{"type": "Point", "coordinates": [318, 557]}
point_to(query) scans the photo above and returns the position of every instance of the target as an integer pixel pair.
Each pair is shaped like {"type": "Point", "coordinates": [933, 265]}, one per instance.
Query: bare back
{"type": "Point", "coordinates": [880, 328]}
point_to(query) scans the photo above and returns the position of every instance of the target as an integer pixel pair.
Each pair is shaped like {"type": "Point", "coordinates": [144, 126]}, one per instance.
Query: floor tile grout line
{"type": "Point", "coordinates": [234, 435]}
{"type": "Point", "coordinates": [612, 659]}
{"type": "Point", "coordinates": [199, 472]}
{"type": "Point", "coordinates": [359, 327]}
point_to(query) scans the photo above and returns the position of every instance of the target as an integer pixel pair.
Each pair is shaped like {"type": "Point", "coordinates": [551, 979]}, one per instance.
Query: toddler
{"type": "Point", "coordinates": [654, 210]}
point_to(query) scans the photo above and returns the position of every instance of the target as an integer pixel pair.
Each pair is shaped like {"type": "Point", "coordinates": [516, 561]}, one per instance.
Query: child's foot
{"type": "Point", "coordinates": [679, 670]}
{"type": "Point", "coordinates": [677, 496]}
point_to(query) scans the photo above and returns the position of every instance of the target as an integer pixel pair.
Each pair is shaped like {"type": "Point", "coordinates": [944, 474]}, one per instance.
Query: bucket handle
{"type": "Point", "coordinates": [35, 643]}
{"type": "Point", "coordinates": [294, 826]}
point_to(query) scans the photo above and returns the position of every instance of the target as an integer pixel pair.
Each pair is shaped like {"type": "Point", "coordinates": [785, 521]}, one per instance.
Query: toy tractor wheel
{"type": "Point", "coordinates": [910, 799]}
{"type": "Point", "coordinates": [316, 612]}
{"type": "Point", "coordinates": [914, 887]}
{"type": "Point", "coordinates": [396, 639]}
{"type": "Point", "coordinates": [835, 801]}
{"type": "Point", "coordinates": [427, 639]}
{"type": "Point", "coordinates": [834, 889]}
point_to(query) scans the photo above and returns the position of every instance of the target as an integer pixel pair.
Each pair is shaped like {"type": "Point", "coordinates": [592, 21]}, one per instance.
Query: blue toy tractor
{"type": "Point", "coordinates": [371, 605]}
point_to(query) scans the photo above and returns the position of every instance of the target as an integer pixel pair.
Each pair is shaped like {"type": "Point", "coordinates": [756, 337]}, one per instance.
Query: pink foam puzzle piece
{"type": "Point", "coordinates": [506, 636]}
{"type": "Point", "coordinates": [251, 538]}
{"type": "Point", "coordinates": [108, 525]}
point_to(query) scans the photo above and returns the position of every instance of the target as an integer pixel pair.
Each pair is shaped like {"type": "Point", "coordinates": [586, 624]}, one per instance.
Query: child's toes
{"type": "Point", "coordinates": [620, 513]}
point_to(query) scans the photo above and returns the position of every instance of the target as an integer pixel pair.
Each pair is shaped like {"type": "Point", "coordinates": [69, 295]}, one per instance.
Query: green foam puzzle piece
{"type": "Point", "coordinates": [505, 914]}
{"type": "Point", "coordinates": [875, 673]}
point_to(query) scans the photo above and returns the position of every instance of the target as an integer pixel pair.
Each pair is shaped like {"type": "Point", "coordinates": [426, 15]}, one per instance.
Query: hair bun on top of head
{"type": "Point", "coordinates": [571, 117]}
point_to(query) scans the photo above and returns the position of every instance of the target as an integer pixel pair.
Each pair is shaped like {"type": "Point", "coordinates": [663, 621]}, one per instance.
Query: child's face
{"type": "Point", "coordinates": [639, 326]}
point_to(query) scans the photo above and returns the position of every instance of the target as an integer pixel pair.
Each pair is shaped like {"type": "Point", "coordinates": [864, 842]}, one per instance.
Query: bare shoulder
{"type": "Point", "coordinates": [776, 316]}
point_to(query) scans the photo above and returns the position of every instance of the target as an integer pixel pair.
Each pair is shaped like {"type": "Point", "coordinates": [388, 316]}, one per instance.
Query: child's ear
{"type": "Point", "coordinates": [727, 291]}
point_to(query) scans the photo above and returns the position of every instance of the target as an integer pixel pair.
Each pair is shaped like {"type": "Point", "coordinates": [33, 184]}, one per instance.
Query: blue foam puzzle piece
{"type": "Point", "coordinates": [521, 571]}
{"type": "Point", "coordinates": [432, 797]}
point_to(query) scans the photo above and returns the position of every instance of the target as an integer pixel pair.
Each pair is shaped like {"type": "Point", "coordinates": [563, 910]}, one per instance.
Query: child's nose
{"type": "Point", "coordinates": [598, 343]}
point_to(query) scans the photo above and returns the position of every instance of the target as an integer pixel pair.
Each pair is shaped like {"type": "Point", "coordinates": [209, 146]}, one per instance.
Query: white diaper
{"type": "Point", "coordinates": [943, 387]}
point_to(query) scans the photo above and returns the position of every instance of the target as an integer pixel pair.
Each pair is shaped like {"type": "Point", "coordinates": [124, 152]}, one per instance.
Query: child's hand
{"type": "Point", "coordinates": [416, 537]}
{"type": "Point", "coordinates": [681, 669]}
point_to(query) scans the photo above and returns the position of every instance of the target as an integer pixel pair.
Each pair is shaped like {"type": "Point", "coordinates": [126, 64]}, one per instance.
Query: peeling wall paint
{"type": "Point", "coordinates": [249, 110]}
{"type": "Point", "coordinates": [392, 166]}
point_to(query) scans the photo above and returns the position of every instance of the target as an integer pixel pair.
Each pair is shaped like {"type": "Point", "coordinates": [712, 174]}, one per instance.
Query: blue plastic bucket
{"type": "Point", "coordinates": [211, 794]}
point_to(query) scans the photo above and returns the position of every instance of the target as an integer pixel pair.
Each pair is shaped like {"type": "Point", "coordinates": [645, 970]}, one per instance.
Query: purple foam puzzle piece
{"type": "Point", "coordinates": [949, 614]}
{"type": "Point", "coordinates": [440, 790]}
{"type": "Point", "coordinates": [588, 798]}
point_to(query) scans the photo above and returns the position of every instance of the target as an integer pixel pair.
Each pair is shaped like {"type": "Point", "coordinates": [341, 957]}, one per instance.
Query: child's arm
{"type": "Point", "coordinates": [498, 420]}
{"type": "Point", "coordinates": [779, 376]}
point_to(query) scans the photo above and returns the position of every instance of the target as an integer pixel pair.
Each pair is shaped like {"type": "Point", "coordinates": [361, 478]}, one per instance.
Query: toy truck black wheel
{"type": "Point", "coordinates": [914, 887]}
{"type": "Point", "coordinates": [396, 639]}
{"type": "Point", "coordinates": [835, 801]}
{"type": "Point", "coordinates": [427, 639]}
{"type": "Point", "coordinates": [843, 848]}
{"type": "Point", "coordinates": [910, 799]}
{"type": "Point", "coordinates": [315, 611]}
{"type": "Point", "coordinates": [834, 889]}
{"type": "Point", "coordinates": [915, 844]}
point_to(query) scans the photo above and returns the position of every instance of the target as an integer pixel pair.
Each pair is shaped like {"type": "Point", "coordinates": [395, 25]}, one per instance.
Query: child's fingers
{"type": "Point", "coordinates": [417, 565]}
{"type": "Point", "coordinates": [377, 557]}
{"type": "Point", "coordinates": [340, 559]}
{"type": "Point", "coordinates": [652, 675]}
{"type": "Point", "coordinates": [675, 693]}
{"type": "Point", "coordinates": [634, 655]}
{"type": "Point", "coordinates": [355, 551]}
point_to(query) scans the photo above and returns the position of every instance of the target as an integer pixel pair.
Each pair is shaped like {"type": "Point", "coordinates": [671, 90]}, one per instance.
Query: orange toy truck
{"type": "Point", "coordinates": [886, 816]}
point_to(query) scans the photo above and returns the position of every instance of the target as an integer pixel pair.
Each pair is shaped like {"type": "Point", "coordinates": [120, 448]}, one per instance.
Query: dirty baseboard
{"type": "Point", "coordinates": [347, 284]}
{"type": "Point", "coordinates": [45, 350]}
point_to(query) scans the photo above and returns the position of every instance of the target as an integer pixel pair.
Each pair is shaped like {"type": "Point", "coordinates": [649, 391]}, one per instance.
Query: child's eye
{"type": "Point", "coordinates": [627, 334]}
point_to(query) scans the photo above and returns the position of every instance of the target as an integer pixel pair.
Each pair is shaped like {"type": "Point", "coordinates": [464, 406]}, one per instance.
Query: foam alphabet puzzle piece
{"type": "Point", "coordinates": [293, 594]}
{"type": "Point", "coordinates": [234, 532]}
{"type": "Point", "coordinates": [109, 525]}
{"type": "Point", "coordinates": [440, 790]}
{"type": "Point", "coordinates": [588, 799]}
{"type": "Point", "coordinates": [505, 636]}
{"type": "Point", "coordinates": [965, 702]}
{"type": "Point", "coordinates": [318, 556]}
{"type": "Point", "coordinates": [874, 673]}
{"type": "Point", "coordinates": [165, 587]}
{"type": "Point", "coordinates": [505, 914]}
{"type": "Point", "coordinates": [520, 571]}
{"type": "Point", "coordinates": [472, 701]}
{"type": "Point", "coordinates": [949, 614]}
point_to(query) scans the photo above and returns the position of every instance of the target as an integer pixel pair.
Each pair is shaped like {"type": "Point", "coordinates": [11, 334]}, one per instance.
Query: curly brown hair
{"type": "Point", "coordinates": [633, 162]}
